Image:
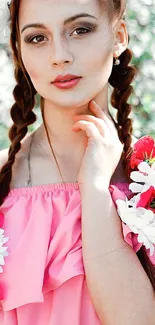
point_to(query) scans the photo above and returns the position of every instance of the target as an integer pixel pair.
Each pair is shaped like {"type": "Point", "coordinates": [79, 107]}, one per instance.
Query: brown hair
{"type": "Point", "coordinates": [24, 95]}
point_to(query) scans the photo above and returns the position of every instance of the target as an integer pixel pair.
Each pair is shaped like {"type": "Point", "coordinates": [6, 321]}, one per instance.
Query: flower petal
{"type": "Point", "coordinates": [152, 248]}
{"type": "Point", "coordinates": [1, 219]}
{"type": "Point", "coordinates": [5, 254]}
{"type": "Point", "coordinates": [135, 187]}
{"type": "Point", "coordinates": [3, 249]}
{"type": "Point", "coordinates": [140, 220]}
{"type": "Point", "coordinates": [2, 260]}
{"type": "Point", "coordinates": [4, 240]}
{"type": "Point", "coordinates": [137, 177]}
{"type": "Point", "coordinates": [153, 166]}
{"type": "Point", "coordinates": [144, 145]}
{"type": "Point", "coordinates": [144, 167]}
{"type": "Point", "coordinates": [1, 231]}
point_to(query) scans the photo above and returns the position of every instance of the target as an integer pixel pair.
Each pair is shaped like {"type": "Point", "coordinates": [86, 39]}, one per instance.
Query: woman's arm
{"type": "Point", "coordinates": [119, 287]}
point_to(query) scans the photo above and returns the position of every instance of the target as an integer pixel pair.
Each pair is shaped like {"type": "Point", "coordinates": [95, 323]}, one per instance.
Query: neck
{"type": "Point", "coordinates": [59, 122]}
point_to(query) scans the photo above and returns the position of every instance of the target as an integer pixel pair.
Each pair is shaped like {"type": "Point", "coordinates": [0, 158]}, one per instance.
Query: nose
{"type": "Point", "coordinates": [60, 53]}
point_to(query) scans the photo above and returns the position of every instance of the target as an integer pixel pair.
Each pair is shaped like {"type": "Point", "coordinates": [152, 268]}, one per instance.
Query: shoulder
{"type": "Point", "coordinates": [20, 166]}
{"type": "Point", "coordinates": [21, 154]}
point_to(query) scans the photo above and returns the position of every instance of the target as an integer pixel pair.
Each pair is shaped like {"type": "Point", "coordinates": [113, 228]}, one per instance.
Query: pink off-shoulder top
{"type": "Point", "coordinates": [43, 280]}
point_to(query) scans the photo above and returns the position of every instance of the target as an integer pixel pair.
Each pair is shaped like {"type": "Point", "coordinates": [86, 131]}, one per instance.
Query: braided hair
{"type": "Point", "coordinates": [24, 94]}
{"type": "Point", "coordinates": [121, 79]}
{"type": "Point", "coordinates": [21, 111]}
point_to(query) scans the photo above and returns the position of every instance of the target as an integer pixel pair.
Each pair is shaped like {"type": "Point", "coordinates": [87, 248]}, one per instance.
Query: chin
{"type": "Point", "coordinates": [70, 101]}
{"type": "Point", "coordinates": [71, 104]}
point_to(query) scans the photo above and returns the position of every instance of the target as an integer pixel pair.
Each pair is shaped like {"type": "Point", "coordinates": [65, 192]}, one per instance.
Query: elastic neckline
{"type": "Point", "coordinates": [54, 187]}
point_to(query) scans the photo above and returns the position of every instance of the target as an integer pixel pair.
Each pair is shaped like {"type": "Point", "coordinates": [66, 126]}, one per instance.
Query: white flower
{"type": "Point", "coordinates": [3, 249]}
{"type": "Point", "coordinates": [141, 221]}
{"type": "Point", "coordinates": [4, 21]}
{"type": "Point", "coordinates": [145, 175]}
{"type": "Point", "coordinates": [134, 200]}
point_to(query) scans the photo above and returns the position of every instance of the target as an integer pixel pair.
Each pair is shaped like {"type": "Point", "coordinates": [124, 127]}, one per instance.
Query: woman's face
{"type": "Point", "coordinates": [82, 46]}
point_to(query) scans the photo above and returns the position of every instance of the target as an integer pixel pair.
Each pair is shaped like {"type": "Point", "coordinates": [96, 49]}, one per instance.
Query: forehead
{"type": "Point", "coordinates": [51, 10]}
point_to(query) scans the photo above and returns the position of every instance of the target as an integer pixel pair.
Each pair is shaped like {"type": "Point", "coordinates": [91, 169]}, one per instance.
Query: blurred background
{"type": "Point", "coordinates": [141, 26]}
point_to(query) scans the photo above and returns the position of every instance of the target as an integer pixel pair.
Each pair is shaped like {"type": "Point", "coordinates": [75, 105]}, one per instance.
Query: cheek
{"type": "Point", "coordinates": [100, 66]}
{"type": "Point", "coordinates": [34, 75]}
{"type": "Point", "coordinates": [100, 56]}
{"type": "Point", "coordinates": [32, 67]}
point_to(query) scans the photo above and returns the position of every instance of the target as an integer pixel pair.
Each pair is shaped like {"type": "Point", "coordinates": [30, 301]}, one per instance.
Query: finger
{"type": "Point", "coordinates": [105, 131]}
{"type": "Point", "coordinates": [89, 118]}
{"type": "Point", "coordinates": [96, 109]}
{"type": "Point", "coordinates": [88, 127]}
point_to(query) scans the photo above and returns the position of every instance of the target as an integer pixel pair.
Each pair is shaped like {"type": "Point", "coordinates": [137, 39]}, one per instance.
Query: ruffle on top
{"type": "Point", "coordinates": [43, 224]}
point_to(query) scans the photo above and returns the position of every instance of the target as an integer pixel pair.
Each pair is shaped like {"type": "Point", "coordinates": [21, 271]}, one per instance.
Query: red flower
{"type": "Point", "coordinates": [147, 199]}
{"type": "Point", "coordinates": [144, 150]}
{"type": "Point", "coordinates": [1, 293]}
{"type": "Point", "coordinates": [1, 219]}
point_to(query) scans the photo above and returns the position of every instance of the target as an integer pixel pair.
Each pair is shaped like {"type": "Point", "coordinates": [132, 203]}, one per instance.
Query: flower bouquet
{"type": "Point", "coordinates": [138, 213]}
{"type": "Point", "coordinates": [3, 240]}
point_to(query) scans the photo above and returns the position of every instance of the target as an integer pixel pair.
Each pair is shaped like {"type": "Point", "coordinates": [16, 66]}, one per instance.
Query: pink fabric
{"type": "Point", "coordinates": [43, 280]}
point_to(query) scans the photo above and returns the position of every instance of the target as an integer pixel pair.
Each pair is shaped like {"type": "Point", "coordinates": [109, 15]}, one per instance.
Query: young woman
{"type": "Point", "coordinates": [70, 260]}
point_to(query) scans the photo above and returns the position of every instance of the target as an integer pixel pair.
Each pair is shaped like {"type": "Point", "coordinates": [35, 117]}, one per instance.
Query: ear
{"type": "Point", "coordinates": [121, 38]}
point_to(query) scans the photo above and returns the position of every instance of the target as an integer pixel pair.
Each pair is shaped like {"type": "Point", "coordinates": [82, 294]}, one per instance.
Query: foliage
{"type": "Point", "coordinates": [141, 18]}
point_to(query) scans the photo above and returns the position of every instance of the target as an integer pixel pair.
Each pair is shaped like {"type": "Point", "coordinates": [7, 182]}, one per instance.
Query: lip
{"type": "Point", "coordinates": [67, 84]}
{"type": "Point", "coordinates": [66, 77]}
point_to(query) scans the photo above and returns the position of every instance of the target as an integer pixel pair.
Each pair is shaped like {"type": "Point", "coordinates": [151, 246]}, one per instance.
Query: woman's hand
{"type": "Point", "coordinates": [103, 148]}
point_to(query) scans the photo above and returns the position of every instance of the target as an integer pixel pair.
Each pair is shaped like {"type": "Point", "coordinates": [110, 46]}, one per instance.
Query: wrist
{"type": "Point", "coordinates": [100, 184]}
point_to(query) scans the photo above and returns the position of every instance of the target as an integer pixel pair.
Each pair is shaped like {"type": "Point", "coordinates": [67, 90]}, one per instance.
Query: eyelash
{"type": "Point", "coordinates": [88, 30]}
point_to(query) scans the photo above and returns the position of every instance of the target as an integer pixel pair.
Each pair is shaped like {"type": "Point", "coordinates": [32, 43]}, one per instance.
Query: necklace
{"type": "Point", "coordinates": [49, 140]}
{"type": "Point", "coordinates": [29, 180]}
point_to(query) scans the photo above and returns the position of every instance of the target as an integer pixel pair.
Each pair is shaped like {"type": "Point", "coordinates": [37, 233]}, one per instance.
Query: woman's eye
{"type": "Point", "coordinates": [38, 38]}
{"type": "Point", "coordinates": [81, 30]}
{"type": "Point", "coordinates": [78, 31]}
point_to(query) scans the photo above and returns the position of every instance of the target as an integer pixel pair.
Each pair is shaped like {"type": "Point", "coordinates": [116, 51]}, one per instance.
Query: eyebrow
{"type": "Point", "coordinates": [67, 21]}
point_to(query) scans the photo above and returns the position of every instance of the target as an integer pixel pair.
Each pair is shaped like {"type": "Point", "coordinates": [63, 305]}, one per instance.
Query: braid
{"type": "Point", "coordinates": [24, 94]}
{"type": "Point", "coordinates": [121, 79]}
{"type": "Point", "coordinates": [147, 265]}
{"type": "Point", "coordinates": [22, 116]}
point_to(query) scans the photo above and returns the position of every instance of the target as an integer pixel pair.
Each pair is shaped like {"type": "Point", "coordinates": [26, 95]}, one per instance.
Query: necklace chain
{"type": "Point", "coordinates": [49, 140]}
{"type": "Point", "coordinates": [29, 181]}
